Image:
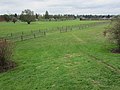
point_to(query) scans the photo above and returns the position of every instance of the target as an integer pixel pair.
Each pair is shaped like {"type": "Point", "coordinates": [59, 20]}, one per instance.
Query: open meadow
{"type": "Point", "coordinates": [79, 59]}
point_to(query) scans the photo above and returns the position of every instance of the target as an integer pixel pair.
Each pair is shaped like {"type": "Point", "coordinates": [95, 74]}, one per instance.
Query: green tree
{"type": "Point", "coordinates": [7, 17]}
{"type": "Point", "coordinates": [36, 16]}
{"type": "Point", "coordinates": [46, 15]}
{"type": "Point", "coordinates": [27, 16]}
{"type": "Point", "coordinates": [14, 19]}
{"type": "Point", "coordinates": [16, 15]}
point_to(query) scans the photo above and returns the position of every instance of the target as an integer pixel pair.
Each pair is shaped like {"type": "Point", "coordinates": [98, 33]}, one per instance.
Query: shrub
{"type": "Point", "coordinates": [113, 33]}
{"type": "Point", "coordinates": [6, 49]}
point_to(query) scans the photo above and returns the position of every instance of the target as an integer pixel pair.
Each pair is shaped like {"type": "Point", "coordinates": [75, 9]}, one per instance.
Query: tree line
{"type": "Point", "coordinates": [29, 16]}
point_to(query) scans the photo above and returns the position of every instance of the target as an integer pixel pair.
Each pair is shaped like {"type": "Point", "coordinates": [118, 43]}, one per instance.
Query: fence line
{"type": "Point", "coordinates": [40, 33]}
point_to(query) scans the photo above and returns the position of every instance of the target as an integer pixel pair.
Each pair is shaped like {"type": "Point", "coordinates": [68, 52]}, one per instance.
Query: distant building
{"type": "Point", "coordinates": [2, 19]}
{"type": "Point", "coordinates": [82, 18]}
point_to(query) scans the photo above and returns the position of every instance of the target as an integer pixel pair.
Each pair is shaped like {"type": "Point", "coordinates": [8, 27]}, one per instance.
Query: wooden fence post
{"type": "Point", "coordinates": [31, 31]}
{"type": "Point", "coordinates": [34, 35]}
{"type": "Point", "coordinates": [22, 33]}
{"type": "Point", "coordinates": [11, 34]}
{"type": "Point", "coordinates": [39, 30]}
{"type": "Point", "coordinates": [21, 37]}
{"type": "Point", "coordinates": [66, 29]}
{"type": "Point", "coordinates": [44, 33]}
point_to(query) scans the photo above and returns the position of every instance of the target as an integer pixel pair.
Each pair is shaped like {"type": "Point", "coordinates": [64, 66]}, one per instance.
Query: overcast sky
{"type": "Point", "coordinates": [61, 6]}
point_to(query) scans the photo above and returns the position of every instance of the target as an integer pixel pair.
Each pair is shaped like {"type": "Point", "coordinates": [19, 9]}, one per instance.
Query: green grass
{"type": "Point", "coordinates": [64, 61]}
{"type": "Point", "coordinates": [7, 28]}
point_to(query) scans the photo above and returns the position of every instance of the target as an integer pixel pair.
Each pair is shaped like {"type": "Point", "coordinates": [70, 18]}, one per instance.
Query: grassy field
{"type": "Point", "coordinates": [76, 60]}
{"type": "Point", "coordinates": [7, 28]}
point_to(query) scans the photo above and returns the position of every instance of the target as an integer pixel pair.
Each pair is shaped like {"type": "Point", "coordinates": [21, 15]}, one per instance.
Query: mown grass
{"type": "Point", "coordinates": [7, 28]}
{"type": "Point", "coordinates": [64, 61]}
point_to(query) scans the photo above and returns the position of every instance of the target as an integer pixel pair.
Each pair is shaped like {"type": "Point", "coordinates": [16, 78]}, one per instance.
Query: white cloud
{"type": "Point", "coordinates": [61, 6]}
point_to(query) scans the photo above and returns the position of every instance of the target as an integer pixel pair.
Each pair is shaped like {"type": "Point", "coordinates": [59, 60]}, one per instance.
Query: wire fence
{"type": "Point", "coordinates": [21, 36]}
